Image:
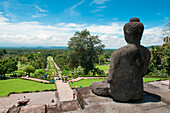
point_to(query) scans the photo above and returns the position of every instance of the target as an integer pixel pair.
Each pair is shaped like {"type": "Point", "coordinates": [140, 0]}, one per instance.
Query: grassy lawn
{"type": "Point", "coordinates": [103, 67]}
{"type": "Point", "coordinates": [84, 82]}
{"type": "Point", "coordinates": [88, 82]}
{"type": "Point", "coordinates": [20, 85]}
{"type": "Point", "coordinates": [153, 79]}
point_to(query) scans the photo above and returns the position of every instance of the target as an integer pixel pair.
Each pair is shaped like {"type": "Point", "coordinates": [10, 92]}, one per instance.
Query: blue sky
{"type": "Point", "coordinates": [54, 22]}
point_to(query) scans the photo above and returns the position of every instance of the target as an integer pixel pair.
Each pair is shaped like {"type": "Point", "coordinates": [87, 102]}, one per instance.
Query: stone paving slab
{"type": "Point", "coordinates": [152, 103]}
{"type": "Point", "coordinates": [165, 82]}
{"type": "Point", "coordinates": [33, 109]}
{"type": "Point", "coordinates": [38, 98]}
{"type": "Point", "coordinates": [3, 110]}
{"type": "Point", "coordinates": [65, 93]}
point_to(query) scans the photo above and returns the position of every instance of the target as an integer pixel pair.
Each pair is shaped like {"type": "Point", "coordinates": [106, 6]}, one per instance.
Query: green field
{"type": "Point", "coordinates": [88, 82]}
{"type": "Point", "coordinates": [84, 82]}
{"type": "Point", "coordinates": [103, 67]}
{"type": "Point", "coordinates": [20, 85]}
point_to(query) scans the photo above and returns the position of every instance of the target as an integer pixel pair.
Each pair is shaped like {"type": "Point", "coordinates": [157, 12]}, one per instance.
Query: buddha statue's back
{"type": "Point", "coordinates": [128, 65]}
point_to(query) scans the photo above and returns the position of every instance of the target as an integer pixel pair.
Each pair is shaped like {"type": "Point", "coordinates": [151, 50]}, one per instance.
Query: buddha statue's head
{"type": "Point", "coordinates": [133, 31]}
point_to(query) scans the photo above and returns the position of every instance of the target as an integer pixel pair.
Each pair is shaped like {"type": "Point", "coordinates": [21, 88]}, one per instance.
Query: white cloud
{"type": "Point", "coordinates": [153, 32]}
{"type": "Point", "coordinates": [41, 10]}
{"type": "Point", "coordinates": [40, 13]}
{"type": "Point", "coordinates": [71, 10]}
{"type": "Point", "coordinates": [36, 34]}
{"type": "Point", "coordinates": [3, 20]}
{"type": "Point", "coordinates": [102, 7]}
{"type": "Point", "coordinates": [152, 36]}
{"type": "Point", "coordinates": [95, 11]}
{"type": "Point", "coordinates": [99, 2]}
{"type": "Point", "coordinates": [154, 41]}
{"type": "Point", "coordinates": [74, 25]}
{"type": "Point", "coordinates": [77, 4]}
{"type": "Point", "coordinates": [36, 15]}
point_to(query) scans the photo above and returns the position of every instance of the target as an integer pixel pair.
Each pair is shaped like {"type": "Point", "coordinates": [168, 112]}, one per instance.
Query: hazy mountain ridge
{"type": "Point", "coordinates": [56, 47]}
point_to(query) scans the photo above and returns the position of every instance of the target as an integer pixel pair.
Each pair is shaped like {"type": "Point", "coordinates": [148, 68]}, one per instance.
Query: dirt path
{"type": "Point", "coordinates": [36, 79]}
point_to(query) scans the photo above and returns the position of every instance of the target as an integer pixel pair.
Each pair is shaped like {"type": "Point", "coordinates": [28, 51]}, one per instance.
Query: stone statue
{"type": "Point", "coordinates": [127, 67]}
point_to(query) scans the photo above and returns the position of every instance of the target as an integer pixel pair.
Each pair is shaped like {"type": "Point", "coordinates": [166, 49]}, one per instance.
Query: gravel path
{"type": "Point", "coordinates": [36, 79]}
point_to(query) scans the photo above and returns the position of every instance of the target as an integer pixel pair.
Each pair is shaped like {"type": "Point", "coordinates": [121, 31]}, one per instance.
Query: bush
{"type": "Point", "coordinates": [39, 72]}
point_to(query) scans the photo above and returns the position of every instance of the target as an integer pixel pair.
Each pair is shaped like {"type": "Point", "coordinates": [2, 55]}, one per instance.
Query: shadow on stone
{"type": "Point", "coordinates": [147, 97]}
{"type": "Point", "coordinates": [150, 97]}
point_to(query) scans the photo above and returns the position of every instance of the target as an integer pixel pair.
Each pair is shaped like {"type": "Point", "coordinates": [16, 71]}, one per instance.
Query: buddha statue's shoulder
{"type": "Point", "coordinates": [125, 50]}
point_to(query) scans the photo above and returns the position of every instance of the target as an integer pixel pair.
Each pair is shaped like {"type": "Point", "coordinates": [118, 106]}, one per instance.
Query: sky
{"type": "Point", "coordinates": [32, 23]}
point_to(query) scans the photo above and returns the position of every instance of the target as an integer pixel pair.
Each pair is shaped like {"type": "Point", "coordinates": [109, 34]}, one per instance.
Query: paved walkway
{"type": "Point", "coordinates": [158, 86]}
{"type": "Point", "coordinates": [36, 79]}
{"type": "Point", "coordinates": [37, 98]}
{"type": "Point", "coordinates": [65, 93]}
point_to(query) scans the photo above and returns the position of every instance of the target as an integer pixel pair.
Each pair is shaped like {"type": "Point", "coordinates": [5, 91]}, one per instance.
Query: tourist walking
{"type": "Point", "coordinates": [62, 79]}
{"type": "Point", "coordinates": [66, 79]}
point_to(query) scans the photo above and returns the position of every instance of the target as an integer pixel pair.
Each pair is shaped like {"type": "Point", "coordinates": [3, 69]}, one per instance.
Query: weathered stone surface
{"type": "Point", "coordinates": [53, 108]}
{"type": "Point", "coordinates": [100, 88]}
{"type": "Point", "coordinates": [14, 110]}
{"type": "Point", "coordinates": [69, 106]}
{"type": "Point", "coordinates": [127, 67]}
{"type": "Point", "coordinates": [3, 110]}
{"type": "Point", "coordinates": [33, 109]}
{"type": "Point", "coordinates": [98, 104]}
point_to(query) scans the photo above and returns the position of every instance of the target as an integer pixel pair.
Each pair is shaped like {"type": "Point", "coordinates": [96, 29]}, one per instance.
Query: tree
{"type": "Point", "coordinates": [101, 59]}
{"type": "Point", "coordinates": [8, 65]}
{"type": "Point", "coordinates": [39, 72]}
{"type": "Point", "coordinates": [83, 50]}
{"type": "Point", "coordinates": [166, 33]}
{"type": "Point", "coordinates": [29, 69]}
{"type": "Point", "coordinates": [160, 61]}
{"type": "Point", "coordinates": [166, 30]}
{"type": "Point", "coordinates": [77, 71]}
{"type": "Point", "coordinates": [2, 52]}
